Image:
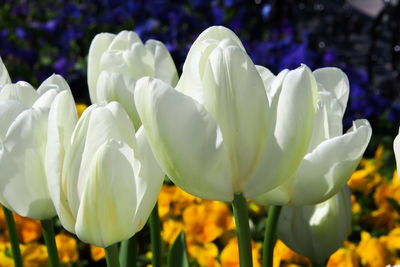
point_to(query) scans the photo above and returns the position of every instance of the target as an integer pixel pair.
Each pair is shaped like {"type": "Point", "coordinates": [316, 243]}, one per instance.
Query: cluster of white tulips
{"type": "Point", "coordinates": [226, 130]}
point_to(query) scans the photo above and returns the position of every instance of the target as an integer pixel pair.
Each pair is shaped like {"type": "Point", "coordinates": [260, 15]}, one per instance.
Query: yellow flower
{"type": "Point", "coordinates": [170, 230]}
{"type": "Point", "coordinates": [80, 108]}
{"type": "Point", "coordinates": [97, 253]}
{"type": "Point", "coordinates": [230, 254]}
{"type": "Point", "coordinates": [205, 254]}
{"type": "Point", "coordinates": [66, 245]}
{"type": "Point", "coordinates": [284, 255]}
{"type": "Point", "coordinates": [392, 240]}
{"type": "Point", "coordinates": [344, 257]}
{"type": "Point", "coordinates": [207, 221]}
{"type": "Point", "coordinates": [6, 261]}
{"type": "Point", "coordinates": [372, 252]}
{"type": "Point", "coordinates": [172, 201]}
{"type": "Point", "coordinates": [367, 178]}
{"type": "Point", "coordinates": [34, 255]}
{"type": "Point", "coordinates": [28, 229]}
{"type": "Point", "coordinates": [355, 206]}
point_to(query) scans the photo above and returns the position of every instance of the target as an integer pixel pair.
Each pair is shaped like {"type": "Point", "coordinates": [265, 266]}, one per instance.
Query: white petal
{"type": "Point", "coordinates": [62, 120]}
{"type": "Point", "coordinates": [293, 121]}
{"type": "Point", "coordinates": [107, 209]}
{"type": "Point", "coordinates": [190, 82]}
{"type": "Point", "coordinates": [164, 66]}
{"type": "Point", "coordinates": [149, 180]}
{"type": "Point", "coordinates": [96, 126]}
{"type": "Point", "coordinates": [139, 60]}
{"type": "Point", "coordinates": [23, 183]}
{"type": "Point", "coordinates": [185, 140]}
{"type": "Point", "coordinates": [235, 96]}
{"type": "Point", "coordinates": [193, 68]}
{"type": "Point", "coordinates": [124, 40]}
{"type": "Point", "coordinates": [21, 91]}
{"type": "Point", "coordinates": [45, 100]}
{"type": "Point", "coordinates": [99, 44]}
{"type": "Point", "coordinates": [112, 86]}
{"type": "Point", "coordinates": [4, 77]}
{"type": "Point", "coordinates": [334, 80]}
{"type": "Point", "coordinates": [55, 82]}
{"type": "Point", "coordinates": [9, 110]}
{"type": "Point", "coordinates": [396, 148]}
{"type": "Point", "coordinates": [330, 165]}
{"type": "Point", "coordinates": [317, 231]}
{"type": "Point", "coordinates": [267, 77]}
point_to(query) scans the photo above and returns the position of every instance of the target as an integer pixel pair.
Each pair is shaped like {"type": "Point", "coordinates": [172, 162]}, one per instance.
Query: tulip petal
{"type": "Point", "coordinates": [9, 110]}
{"type": "Point", "coordinates": [22, 166]}
{"type": "Point", "coordinates": [149, 180]}
{"type": "Point", "coordinates": [396, 148]}
{"type": "Point", "coordinates": [193, 68]}
{"type": "Point", "coordinates": [293, 121]}
{"type": "Point", "coordinates": [330, 165]}
{"type": "Point", "coordinates": [139, 60]}
{"type": "Point", "coordinates": [267, 77]}
{"type": "Point", "coordinates": [55, 82]}
{"type": "Point", "coordinates": [99, 44]}
{"type": "Point", "coordinates": [45, 100]}
{"type": "Point", "coordinates": [62, 120]}
{"type": "Point", "coordinates": [96, 126]}
{"type": "Point", "coordinates": [124, 40]}
{"type": "Point", "coordinates": [317, 231]}
{"type": "Point", "coordinates": [334, 80]}
{"type": "Point", "coordinates": [236, 98]}
{"type": "Point", "coordinates": [185, 140]}
{"type": "Point", "coordinates": [21, 91]}
{"type": "Point", "coordinates": [113, 86]}
{"type": "Point", "coordinates": [164, 65]}
{"type": "Point", "coordinates": [4, 76]}
{"type": "Point", "coordinates": [108, 203]}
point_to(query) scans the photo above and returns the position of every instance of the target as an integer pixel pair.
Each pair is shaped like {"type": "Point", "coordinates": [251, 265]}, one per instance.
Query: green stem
{"type": "Point", "coordinates": [155, 235]}
{"type": "Point", "coordinates": [243, 230]}
{"type": "Point", "coordinates": [12, 233]}
{"type": "Point", "coordinates": [127, 253]}
{"type": "Point", "coordinates": [270, 235]}
{"type": "Point", "coordinates": [112, 255]}
{"type": "Point", "coordinates": [49, 239]}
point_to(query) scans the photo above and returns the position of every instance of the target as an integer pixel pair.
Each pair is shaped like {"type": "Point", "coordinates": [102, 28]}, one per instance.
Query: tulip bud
{"type": "Point", "coordinates": [116, 62]}
{"type": "Point", "coordinates": [25, 137]}
{"type": "Point", "coordinates": [317, 231]}
{"type": "Point", "coordinates": [229, 126]}
{"type": "Point", "coordinates": [331, 155]}
{"type": "Point", "coordinates": [110, 180]}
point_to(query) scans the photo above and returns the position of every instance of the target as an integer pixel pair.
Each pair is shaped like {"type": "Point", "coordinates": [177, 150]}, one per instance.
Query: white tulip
{"type": "Point", "coordinates": [110, 180]}
{"type": "Point", "coordinates": [332, 156]}
{"type": "Point", "coordinates": [24, 116]}
{"type": "Point", "coordinates": [116, 62]}
{"type": "Point", "coordinates": [229, 126]}
{"type": "Point", "coordinates": [317, 231]}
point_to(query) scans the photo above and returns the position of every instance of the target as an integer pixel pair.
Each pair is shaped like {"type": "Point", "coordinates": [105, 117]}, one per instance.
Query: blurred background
{"type": "Point", "coordinates": [362, 37]}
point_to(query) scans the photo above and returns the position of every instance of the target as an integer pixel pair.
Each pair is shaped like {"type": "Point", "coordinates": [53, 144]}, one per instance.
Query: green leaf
{"type": "Point", "coordinates": [178, 255]}
{"type": "Point", "coordinates": [393, 203]}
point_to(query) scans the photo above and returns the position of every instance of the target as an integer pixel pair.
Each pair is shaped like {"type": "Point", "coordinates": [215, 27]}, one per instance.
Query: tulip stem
{"type": "Point", "coordinates": [241, 215]}
{"type": "Point", "coordinates": [12, 234]}
{"type": "Point", "coordinates": [49, 239]}
{"type": "Point", "coordinates": [112, 255]}
{"type": "Point", "coordinates": [155, 236]}
{"type": "Point", "coordinates": [127, 253]}
{"type": "Point", "coordinates": [270, 235]}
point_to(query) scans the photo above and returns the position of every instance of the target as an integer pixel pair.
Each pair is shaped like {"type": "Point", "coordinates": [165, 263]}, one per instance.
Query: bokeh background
{"type": "Point", "coordinates": [362, 37]}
